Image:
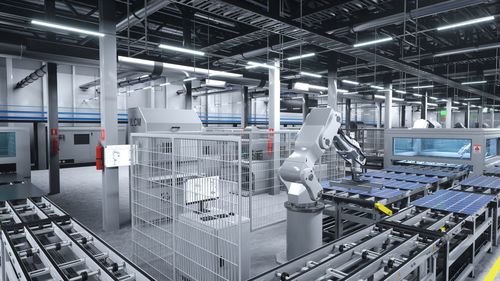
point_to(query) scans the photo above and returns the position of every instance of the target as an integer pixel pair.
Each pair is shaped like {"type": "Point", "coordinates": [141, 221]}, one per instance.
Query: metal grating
{"type": "Point", "coordinates": [455, 201]}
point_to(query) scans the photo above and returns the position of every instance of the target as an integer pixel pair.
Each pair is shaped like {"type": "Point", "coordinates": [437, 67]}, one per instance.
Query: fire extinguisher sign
{"type": "Point", "coordinates": [476, 148]}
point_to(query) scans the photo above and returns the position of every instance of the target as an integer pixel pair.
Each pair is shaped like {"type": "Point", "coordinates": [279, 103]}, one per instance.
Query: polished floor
{"type": "Point", "coordinates": [81, 197]}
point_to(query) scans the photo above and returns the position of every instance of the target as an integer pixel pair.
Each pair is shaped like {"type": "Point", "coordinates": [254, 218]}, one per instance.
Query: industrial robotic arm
{"type": "Point", "coordinates": [319, 132]}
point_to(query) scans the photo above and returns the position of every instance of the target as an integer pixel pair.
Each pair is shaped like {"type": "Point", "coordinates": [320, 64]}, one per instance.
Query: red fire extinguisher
{"type": "Point", "coordinates": [270, 141]}
{"type": "Point", "coordinates": [99, 156]}
{"type": "Point", "coordinates": [54, 142]}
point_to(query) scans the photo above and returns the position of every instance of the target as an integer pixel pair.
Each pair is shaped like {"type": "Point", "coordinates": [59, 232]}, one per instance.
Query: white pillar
{"type": "Point", "coordinates": [377, 114]}
{"type": "Point", "coordinates": [492, 112]}
{"type": "Point", "coordinates": [448, 114]}
{"type": "Point", "coordinates": [274, 96]}
{"type": "Point", "coordinates": [388, 107]}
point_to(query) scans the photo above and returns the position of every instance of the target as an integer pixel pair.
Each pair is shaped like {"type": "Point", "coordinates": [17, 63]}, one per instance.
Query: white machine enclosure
{"type": "Point", "coordinates": [142, 120]}
{"type": "Point", "coordinates": [479, 140]}
{"type": "Point", "coordinates": [15, 151]}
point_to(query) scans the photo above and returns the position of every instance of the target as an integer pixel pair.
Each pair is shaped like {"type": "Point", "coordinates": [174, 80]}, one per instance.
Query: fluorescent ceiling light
{"type": "Point", "coordinates": [423, 87]}
{"type": "Point", "coordinates": [306, 87]}
{"type": "Point", "coordinates": [468, 99]}
{"type": "Point", "coordinates": [376, 87]}
{"type": "Point", "coordinates": [399, 91]}
{"type": "Point", "coordinates": [456, 102]}
{"type": "Point", "coordinates": [474, 82]}
{"type": "Point", "coordinates": [467, 22]}
{"type": "Point", "coordinates": [468, 50]}
{"type": "Point", "coordinates": [443, 100]}
{"type": "Point", "coordinates": [350, 93]}
{"type": "Point", "coordinates": [473, 105]}
{"type": "Point", "coordinates": [143, 76]}
{"type": "Point", "coordinates": [384, 90]}
{"type": "Point", "coordinates": [432, 104]}
{"type": "Point", "coordinates": [215, 83]}
{"type": "Point", "coordinates": [417, 95]}
{"type": "Point", "coordinates": [350, 82]}
{"type": "Point", "coordinates": [397, 99]}
{"type": "Point", "coordinates": [415, 102]}
{"type": "Point", "coordinates": [379, 97]}
{"type": "Point", "coordinates": [165, 84]}
{"type": "Point", "coordinates": [342, 91]}
{"type": "Point", "coordinates": [190, 79]}
{"type": "Point", "coordinates": [301, 56]}
{"type": "Point", "coordinates": [67, 28]}
{"type": "Point", "coordinates": [310, 74]}
{"type": "Point", "coordinates": [147, 88]}
{"type": "Point", "coordinates": [479, 106]}
{"type": "Point", "coordinates": [252, 64]}
{"type": "Point", "coordinates": [203, 71]}
{"type": "Point", "coordinates": [464, 103]}
{"type": "Point", "coordinates": [454, 107]}
{"type": "Point", "coordinates": [372, 42]}
{"type": "Point", "coordinates": [181, 50]}
{"type": "Point", "coordinates": [433, 98]}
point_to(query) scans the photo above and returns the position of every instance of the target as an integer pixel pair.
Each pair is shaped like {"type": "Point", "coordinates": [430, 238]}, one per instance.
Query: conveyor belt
{"type": "Point", "coordinates": [385, 193]}
{"type": "Point", "coordinates": [421, 179]}
{"type": "Point", "coordinates": [455, 201]}
{"type": "Point", "coordinates": [482, 181]}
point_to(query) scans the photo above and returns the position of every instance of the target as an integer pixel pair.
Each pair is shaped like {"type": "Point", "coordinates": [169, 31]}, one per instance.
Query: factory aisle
{"type": "Point", "coordinates": [80, 196]}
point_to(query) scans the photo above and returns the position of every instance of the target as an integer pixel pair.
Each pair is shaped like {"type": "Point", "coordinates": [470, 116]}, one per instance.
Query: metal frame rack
{"type": "Point", "coordinates": [486, 185]}
{"type": "Point", "coordinates": [373, 253]}
{"type": "Point", "coordinates": [41, 241]}
{"type": "Point", "coordinates": [443, 238]}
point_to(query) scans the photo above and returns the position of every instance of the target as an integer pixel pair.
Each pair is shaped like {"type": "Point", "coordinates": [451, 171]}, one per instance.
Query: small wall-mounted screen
{"type": "Point", "coordinates": [81, 139]}
{"type": "Point", "coordinates": [7, 144]}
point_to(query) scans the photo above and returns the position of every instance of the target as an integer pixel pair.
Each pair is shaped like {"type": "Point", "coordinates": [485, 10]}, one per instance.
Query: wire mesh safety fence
{"type": "Point", "coordinates": [371, 140]}
{"type": "Point", "coordinates": [188, 220]}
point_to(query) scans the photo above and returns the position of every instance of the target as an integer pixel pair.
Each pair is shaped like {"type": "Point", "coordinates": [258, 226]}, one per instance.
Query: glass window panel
{"type": "Point", "coordinates": [431, 147]}
{"type": "Point", "coordinates": [491, 147]}
{"type": "Point", "coordinates": [7, 144]}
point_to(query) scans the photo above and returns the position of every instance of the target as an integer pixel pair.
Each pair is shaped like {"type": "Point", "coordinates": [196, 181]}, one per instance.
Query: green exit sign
{"type": "Point", "coordinates": [442, 113]}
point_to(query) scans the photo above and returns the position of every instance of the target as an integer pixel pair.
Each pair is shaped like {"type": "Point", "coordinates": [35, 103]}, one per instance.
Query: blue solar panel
{"type": "Point", "coordinates": [403, 177]}
{"type": "Point", "coordinates": [437, 172]}
{"type": "Point", "coordinates": [492, 171]}
{"type": "Point", "coordinates": [455, 201]}
{"type": "Point", "coordinates": [482, 181]}
{"type": "Point", "coordinates": [389, 183]}
{"type": "Point", "coordinates": [385, 193]}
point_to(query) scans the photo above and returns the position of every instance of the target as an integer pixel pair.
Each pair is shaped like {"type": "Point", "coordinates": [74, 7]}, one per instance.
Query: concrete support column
{"type": "Point", "coordinates": [6, 93]}
{"type": "Point", "coordinates": [109, 122]}
{"type": "Point", "coordinates": [348, 115]}
{"type": "Point", "coordinates": [332, 82]}
{"type": "Point", "coordinates": [73, 90]}
{"type": "Point", "coordinates": [403, 116]}
{"type": "Point", "coordinates": [187, 15]}
{"type": "Point", "coordinates": [423, 111]}
{"type": "Point", "coordinates": [305, 107]}
{"type": "Point", "coordinates": [378, 114]}
{"type": "Point", "coordinates": [448, 123]}
{"type": "Point", "coordinates": [245, 106]}
{"type": "Point", "coordinates": [54, 181]}
{"type": "Point", "coordinates": [388, 107]}
{"type": "Point", "coordinates": [274, 120]}
{"type": "Point", "coordinates": [467, 115]}
{"type": "Point", "coordinates": [492, 116]}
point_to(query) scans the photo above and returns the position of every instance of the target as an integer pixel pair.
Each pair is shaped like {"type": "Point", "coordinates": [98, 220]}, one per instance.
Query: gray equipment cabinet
{"type": "Point", "coordinates": [15, 151]}
{"type": "Point", "coordinates": [476, 147]}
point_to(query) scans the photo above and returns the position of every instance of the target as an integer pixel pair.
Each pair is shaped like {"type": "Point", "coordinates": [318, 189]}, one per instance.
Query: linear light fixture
{"type": "Point", "coordinates": [306, 87]}
{"type": "Point", "coordinates": [469, 99]}
{"type": "Point", "coordinates": [432, 104]}
{"type": "Point", "coordinates": [350, 93]}
{"type": "Point", "coordinates": [376, 87]}
{"type": "Point", "coordinates": [400, 92]}
{"type": "Point", "coordinates": [350, 82]}
{"type": "Point", "coordinates": [190, 79]}
{"type": "Point", "coordinates": [147, 88]}
{"type": "Point", "coordinates": [67, 28]}
{"type": "Point", "coordinates": [433, 98]}
{"type": "Point", "coordinates": [423, 87]}
{"type": "Point", "coordinates": [181, 50]}
{"type": "Point", "coordinates": [415, 102]}
{"type": "Point", "coordinates": [342, 91]}
{"type": "Point", "coordinates": [454, 107]}
{"type": "Point", "coordinates": [310, 74]}
{"type": "Point", "coordinates": [301, 56]}
{"type": "Point", "coordinates": [467, 22]}
{"type": "Point", "coordinates": [202, 71]}
{"type": "Point", "coordinates": [252, 64]}
{"type": "Point", "coordinates": [443, 100]}
{"type": "Point", "coordinates": [456, 102]}
{"type": "Point", "coordinates": [164, 84]}
{"type": "Point", "coordinates": [384, 90]}
{"type": "Point", "coordinates": [202, 16]}
{"type": "Point", "coordinates": [372, 42]}
{"type": "Point", "coordinates": [383, 97]}
{"type": "Point", "coordinates": [397, 99]}
{"type": "Point", "coordinates": [468, 50]}
{"type": "Point", "coordinates": [464, 103]}
{"type": "Point", "coordinates": [417, 95]}
{"type": "Point", "coordinates": [474, 82]}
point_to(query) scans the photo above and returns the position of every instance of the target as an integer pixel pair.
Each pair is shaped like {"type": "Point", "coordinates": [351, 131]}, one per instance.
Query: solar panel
{"type": "Point", "coordinates": [492, 171]}
{"type": "Point", "coordinates": [385, 193]}
{"type": "Point", "coordinates": [390, 183]}
{"type": "Point", "coordinates": [482, 182]}
{"type": "Point", "coordinates": [455, 201]}
{"type": "Point", "coordinates": [403, 177]}
{"type": "Point", "coordinates": [437, 172]}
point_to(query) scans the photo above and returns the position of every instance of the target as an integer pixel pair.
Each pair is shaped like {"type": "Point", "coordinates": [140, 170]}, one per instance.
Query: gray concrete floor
{"type": "Point", "coordinates": [81, 197]}
{"type": "Point", "coordinates": [81, 194]}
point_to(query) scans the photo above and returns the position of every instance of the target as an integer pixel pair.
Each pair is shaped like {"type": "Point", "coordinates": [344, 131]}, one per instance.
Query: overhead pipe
{"type": "Point", "coordinates": [258, 52]}
{"type": "Point", "coordinates": [139, 15]}
{"type": "Point", "coordinates": [417, 13]}
{"type": "Point", "coordinates": [138, 80]}
{"type": "Point", "coordinates": [96, 82]}
{"type": "Point", "coordinates": [32, 77]}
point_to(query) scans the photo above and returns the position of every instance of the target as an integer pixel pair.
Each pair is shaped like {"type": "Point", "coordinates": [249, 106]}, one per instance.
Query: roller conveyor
{"type": "Point", "coordinates": [42, 240]}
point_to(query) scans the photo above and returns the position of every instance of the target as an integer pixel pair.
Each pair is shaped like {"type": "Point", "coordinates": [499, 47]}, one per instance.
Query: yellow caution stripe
{"type": "Point", "coordinates": [492, 273]}
{"type": "Point", "coordinates": [383, 209]}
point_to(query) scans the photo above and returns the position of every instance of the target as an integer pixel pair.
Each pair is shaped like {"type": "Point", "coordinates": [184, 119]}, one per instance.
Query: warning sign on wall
{"type": "Point", "coordinates": [476, 148]}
